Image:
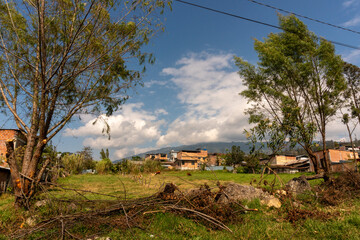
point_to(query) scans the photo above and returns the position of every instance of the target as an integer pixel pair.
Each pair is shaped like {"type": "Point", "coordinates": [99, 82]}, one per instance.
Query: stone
{"type": "Point", "coordinates": [281, 192]}
{"type": "Point", "coordinates": [31, 221]}
{"type": "Point", "coordinates": [41, 203]}
{"type": "Point", "coordinates": [271, 202]}
{"type": "Point", "coordinates": [298, 185]}
{"type": "Point", "coordinates": [238, 192]}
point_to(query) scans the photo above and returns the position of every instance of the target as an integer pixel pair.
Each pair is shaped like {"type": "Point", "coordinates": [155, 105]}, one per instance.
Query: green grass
{"type": "Point", "coordinates": [133, 186]}
{"type": "Point", "coordinates": [264, 224]}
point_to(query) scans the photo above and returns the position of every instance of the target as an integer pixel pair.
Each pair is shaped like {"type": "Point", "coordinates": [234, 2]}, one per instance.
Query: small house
{"type": "Point", "coordinates": [340, 160]}
{"type": "Point", "coordinates": [190, 159]}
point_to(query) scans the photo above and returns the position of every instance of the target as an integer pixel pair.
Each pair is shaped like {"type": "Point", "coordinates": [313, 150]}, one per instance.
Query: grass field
{"type": "Point", "coordinates": [147, 184]}
{"type": "Point", "coordinates": [343, 221]}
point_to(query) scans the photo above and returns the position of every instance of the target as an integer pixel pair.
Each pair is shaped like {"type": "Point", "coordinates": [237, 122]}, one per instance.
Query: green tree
{"type": "Point", "coordinates": [73, 163]}
{"type": "Point", "coordinates": [297, 85]}
{"type": "Point", "coordinates": [234, 157]}
{"type": "Point", "coordinates": [104, 154]}
{"type": "Point", "coordinates": [61, 58]}
{"type": "Point", "coordinates": [104, 166]}
{"type": "Point", "coordinates": [89, 162]}
{"type": "Point", "coordinates": [352, 94]}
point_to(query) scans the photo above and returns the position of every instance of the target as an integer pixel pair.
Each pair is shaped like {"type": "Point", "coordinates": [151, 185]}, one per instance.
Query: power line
{"type": "Point", "coordinates": [259, 22]}
{"type": "Point", "coordinates": [302, 16]}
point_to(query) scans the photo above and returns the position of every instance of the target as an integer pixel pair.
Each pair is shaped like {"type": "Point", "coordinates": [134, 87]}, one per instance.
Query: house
{"type": "Point", "coordinates": [190, 159]}
{"type": "Point", "coordinates": [173, 155]}
{"type": "Point", "coordinates": [287, 163]}
{"type": "Point", "coordinates": [162, 157]}
{"type": "Point", "coordinates": [340, 160]}
{"type": "Point", "coordinates": [19, 140]}
{"type": "Point", "coordinates": [10, 134]}
{"type": "Point", "coordinates": [348, 148]}
{"type": "Point", "coordinates": [278, 159]}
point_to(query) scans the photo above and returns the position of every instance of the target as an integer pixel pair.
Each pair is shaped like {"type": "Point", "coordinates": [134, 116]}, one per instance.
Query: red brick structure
{"type": "Point", "coordinates": [340, 160]}
{"type": "Point", "coordinates": [10, 134]}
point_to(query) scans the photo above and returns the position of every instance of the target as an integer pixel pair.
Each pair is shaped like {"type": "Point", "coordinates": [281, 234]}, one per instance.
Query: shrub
{"type": "Point", "coordinates": [151, 166]}
{"type": "Point", "coordinates": [104, 166]}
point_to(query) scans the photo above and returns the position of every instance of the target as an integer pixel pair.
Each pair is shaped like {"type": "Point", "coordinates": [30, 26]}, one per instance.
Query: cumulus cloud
{"type": "Point", "coordinates": [209, 88]}
{"type": "Point", "coordinates": [353, 56]}
{"type": "Point", "coordinates": [352, 22]}
{"type": "Point", "coordinates": [129, 128]}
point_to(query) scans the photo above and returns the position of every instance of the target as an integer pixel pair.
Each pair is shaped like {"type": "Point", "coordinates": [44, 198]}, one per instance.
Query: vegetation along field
{"type": "Point", "coordinates": [308, 215]}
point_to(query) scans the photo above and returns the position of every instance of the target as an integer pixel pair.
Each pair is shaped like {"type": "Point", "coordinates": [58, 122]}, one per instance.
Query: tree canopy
{"type": "Point", "coordinates": [296, 87]}
{"type": "Point", "coordinates": [61, 58]}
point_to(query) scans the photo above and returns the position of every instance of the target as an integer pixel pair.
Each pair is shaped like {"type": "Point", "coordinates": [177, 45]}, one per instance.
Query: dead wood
{"type": "Point", "coordinates": [202, 207]}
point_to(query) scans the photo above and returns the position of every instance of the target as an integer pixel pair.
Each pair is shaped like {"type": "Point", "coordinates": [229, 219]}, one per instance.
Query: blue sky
{"type": "Point", "coordinates": [190, 94]}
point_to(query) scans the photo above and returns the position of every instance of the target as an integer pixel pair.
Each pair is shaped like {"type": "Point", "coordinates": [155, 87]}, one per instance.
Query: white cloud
{"type": "Point", "coordinates": [154, 82]}
{"type": "Point", "coordinates": [129, 128]}
{"type": "Point", "coordinates": [161, 111]}
{"type": "Point", "coordinates": [352, 22]}
{"type": "Point", "coordinates": [353, 56]}
{"type": "Point", "coordinates": [209, 88]}
{"type": "Point", "coordinates": [349, 3]}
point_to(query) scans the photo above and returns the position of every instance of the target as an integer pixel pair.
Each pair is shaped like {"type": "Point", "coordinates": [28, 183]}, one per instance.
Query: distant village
{"type": "Point", "coordinates": [342, 159]}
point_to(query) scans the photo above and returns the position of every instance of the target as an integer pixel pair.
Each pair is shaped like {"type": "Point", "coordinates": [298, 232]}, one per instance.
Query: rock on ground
{"type": "Point", "coordinates": [298, 185]}
{"type": "Point", "coordinates": [238, 192]}
{"type": "Point", "coordinates": [271, 202]}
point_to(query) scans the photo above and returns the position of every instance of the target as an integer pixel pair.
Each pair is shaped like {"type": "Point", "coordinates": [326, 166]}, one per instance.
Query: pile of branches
{"type": "Point", "coordinates": [336, 190]}
{"type": "Point", "coordinates": [200, 205]}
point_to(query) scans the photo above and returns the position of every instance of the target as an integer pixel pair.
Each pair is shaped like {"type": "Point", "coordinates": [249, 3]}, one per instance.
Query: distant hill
{"type": "Point", "coordinates": [211, 147]}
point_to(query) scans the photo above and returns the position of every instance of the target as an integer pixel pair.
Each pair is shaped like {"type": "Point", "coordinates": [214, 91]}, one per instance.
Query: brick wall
{"type": "Point", "coordinates": [9, 134]}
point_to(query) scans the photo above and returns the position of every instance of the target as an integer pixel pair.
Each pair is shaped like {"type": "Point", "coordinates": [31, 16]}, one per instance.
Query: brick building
{"type": "Point", "coordinates": [10, 134]}
{"type": "Point", "coordinates": [190, 160]}
{"type": "Point", "coordinates": [340, 160]}
{"type": "Point", "coordinates": [162, 157]}
{"type": "Point", "coordinates": [19, 140]}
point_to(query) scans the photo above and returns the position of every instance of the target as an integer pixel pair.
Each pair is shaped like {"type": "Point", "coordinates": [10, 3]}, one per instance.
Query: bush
{"type": "Point", "coordinates": [73, 163]}
{"type": "Point", "coordinates": [151, 166]}
{"type": "Point", "coordinates": [104, 166]}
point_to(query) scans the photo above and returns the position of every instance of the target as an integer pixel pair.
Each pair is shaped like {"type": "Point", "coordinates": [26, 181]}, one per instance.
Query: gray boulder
{"type": "Point", "coordinates": [237, 192]}
{"type": "Point", "coordinates": [298, 185]}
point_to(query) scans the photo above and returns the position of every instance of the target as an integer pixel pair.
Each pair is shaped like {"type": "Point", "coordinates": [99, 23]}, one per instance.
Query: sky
{"type": "Point", "coordinates": [191, 93]}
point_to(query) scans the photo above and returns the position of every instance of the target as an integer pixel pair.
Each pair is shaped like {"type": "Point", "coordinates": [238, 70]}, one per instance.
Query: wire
{"type": "Point", "coordinates": [260, 22]}
{"type": "Point", "coordinates": [302, 16]}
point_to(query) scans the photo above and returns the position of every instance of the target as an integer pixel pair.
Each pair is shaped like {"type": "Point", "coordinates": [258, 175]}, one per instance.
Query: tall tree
{"type": "Point", "coordinates": [297, 85]}
{"type": "Point", "coordinates": [61, 58]}
{"type": "Point", "coordinates": [234, 157]}
{"type": "Point", "coordinates": [352, 76]}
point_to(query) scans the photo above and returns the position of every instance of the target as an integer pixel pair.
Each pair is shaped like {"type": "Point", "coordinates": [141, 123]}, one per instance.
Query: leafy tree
{"type": "Point", "coordinates": [89, 162]}
{"type": "Point", "coordinates": [104, 166]}
{"type": "Point", "coordinates": [296, 88]}
{"type": "Point", "coordinates": [104, 154]}
{"type": "Point", "coordinates": [235, 156]}
{"type": "Point", "coordinates": [352, 94]}
{"type": "Point", "coordinates": [137, 158]}
{"type": "Point", "coordinates": [61, 58]}
{"type": "Point", "coordinates": [73, 163]}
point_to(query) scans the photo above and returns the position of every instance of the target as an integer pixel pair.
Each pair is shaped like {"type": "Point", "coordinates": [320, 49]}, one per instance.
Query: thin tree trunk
{"type": "Point", "coordinates": [15, 173]}
{"type": "Point", "coordinates": [326, 160]}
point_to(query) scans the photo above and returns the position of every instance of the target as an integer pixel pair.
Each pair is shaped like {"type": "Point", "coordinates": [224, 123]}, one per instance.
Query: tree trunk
{"type": "Point", "coordinates": [24, 179]}
{"type": "Point", "coordinates": [16, 179]}
{"type": "Point", "coordinates": [326, 160]}
{"type": "Point", "coordinates": [313, 159]}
